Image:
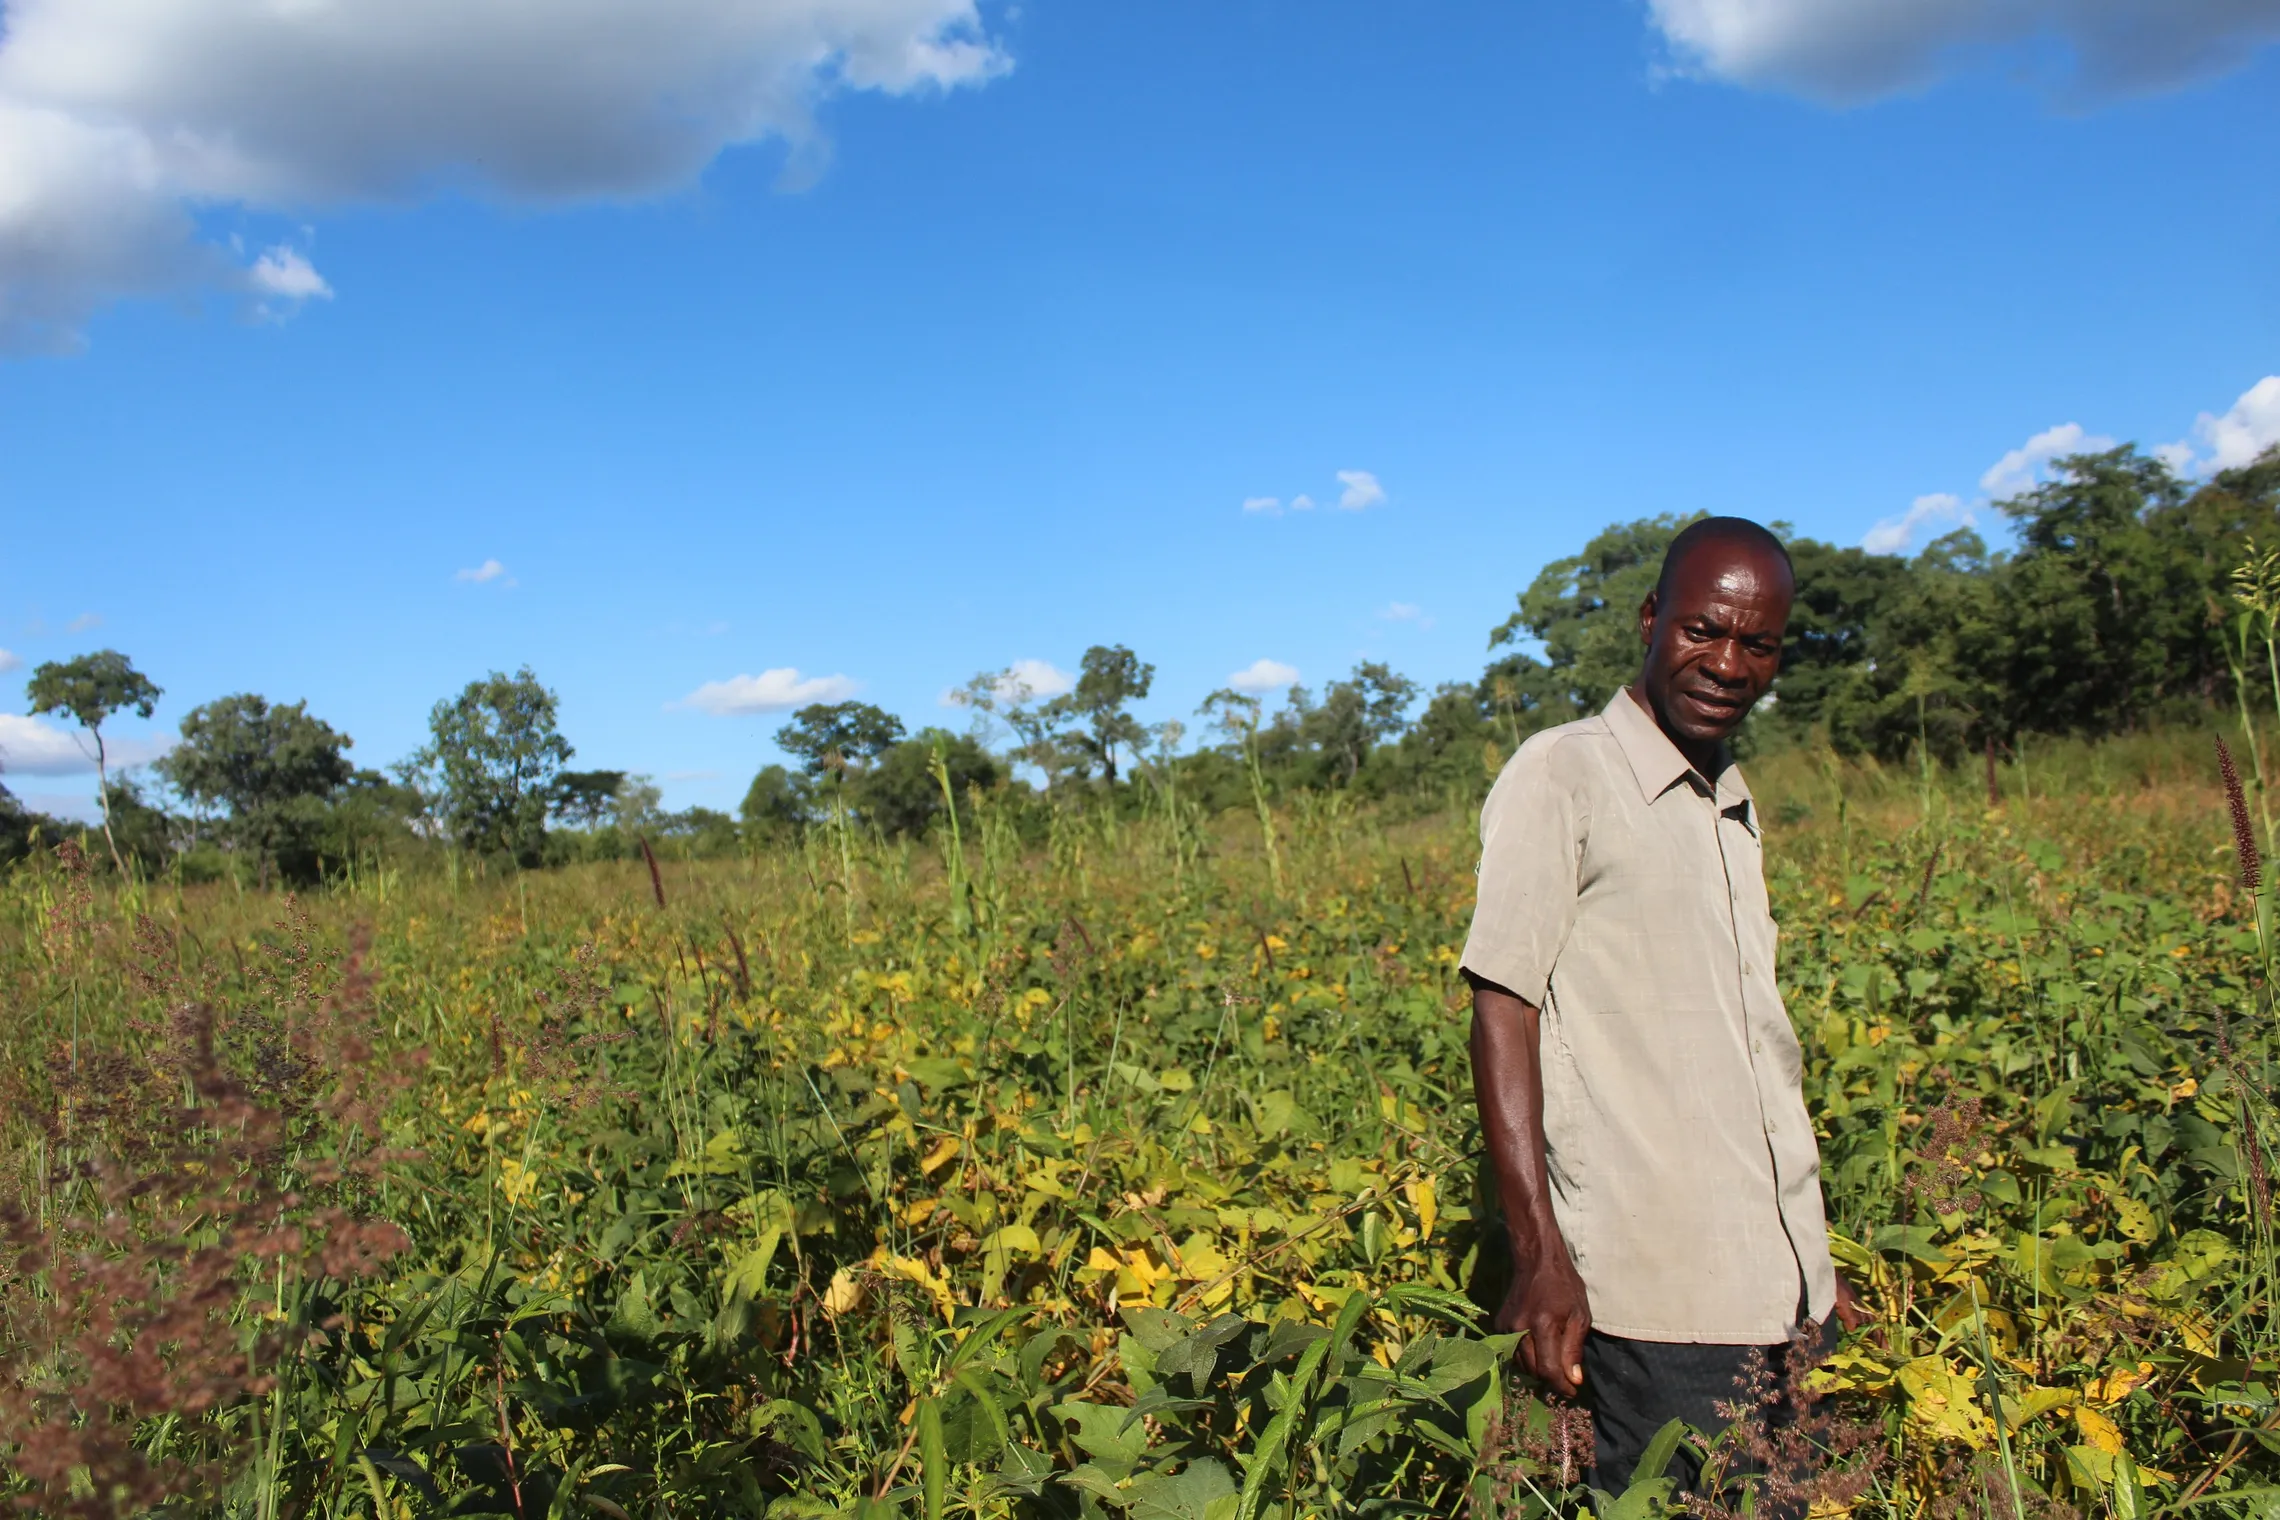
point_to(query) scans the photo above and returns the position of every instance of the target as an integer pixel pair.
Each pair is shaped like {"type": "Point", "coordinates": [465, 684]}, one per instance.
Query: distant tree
{"type": "Point", "coordinates": [900, 793]}
{"type": "Point", "coordinates": [1843, 595]}
{"type": "Point", "coordinates": [92, 689]}
{"type": "Point", "coordinates": [830, 738]}
{"type": "Point", "coordinates": [586, 798]}
{"type": "Point", "coordinates": [1112, 679]}
{"type": "Point", "coordinates": [1585, 610]}
{"type": "Point", "coordinates": [779, 800]}
{"type": "Point", "coordinates": [22, 830]}
{"type": "Point", "coordinates": [495, 753]}
{"type": "Point", "coordinates": [1354, 717]}
{"type": "Point", "coordinates": [1039, 726]}
{"type": "Point", "coordinates": [273, 770]}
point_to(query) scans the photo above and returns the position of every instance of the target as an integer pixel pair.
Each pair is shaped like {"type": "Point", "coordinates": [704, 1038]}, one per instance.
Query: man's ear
{"type": "Point", "coordinates": [1647, 620]}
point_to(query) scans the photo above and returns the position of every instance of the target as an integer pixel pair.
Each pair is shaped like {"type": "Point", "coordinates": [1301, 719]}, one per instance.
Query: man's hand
{"type": "Point", "coordinates": [1546, 1303]}
{"type": "Point", "coordinates": [1851, 1312]}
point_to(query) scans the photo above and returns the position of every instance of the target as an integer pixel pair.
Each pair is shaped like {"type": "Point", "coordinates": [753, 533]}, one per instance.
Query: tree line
{"type": "Point", "coordinates": [2121, 606]}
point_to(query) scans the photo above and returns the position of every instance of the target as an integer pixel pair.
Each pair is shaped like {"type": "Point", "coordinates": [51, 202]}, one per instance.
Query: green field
{"type": "Point", "coordinates": [863, 1177]}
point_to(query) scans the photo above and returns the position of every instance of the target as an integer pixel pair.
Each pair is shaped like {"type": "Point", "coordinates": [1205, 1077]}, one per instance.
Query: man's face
{"type": "Point", "coordinates": [1714, 639]}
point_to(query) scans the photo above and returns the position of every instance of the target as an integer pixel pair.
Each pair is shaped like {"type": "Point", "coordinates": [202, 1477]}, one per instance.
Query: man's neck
{"type": "Point", "coordinates": [1709, 759]}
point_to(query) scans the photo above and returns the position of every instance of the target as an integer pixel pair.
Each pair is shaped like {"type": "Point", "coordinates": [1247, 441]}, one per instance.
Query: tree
{"type": "Point", "coordinates": [779, 800]}
{"type": "Point", "coordinates": [586, 798]}
{"type": "Point", "coordinates": [274, 770]}
{"type": "Point", "coordinates": [1355, 716]}
{"type": "Point", "coordinates": [901, 795]}
{"type": "Point", "coordinates": [22, 830]}
{"type": "Point", "coordinates": [1842, 596]}
{"type": "Point", "coordinates": [1040, 738]}
{"type": "Point", "coordinates": [1112, 678]}
{"type": "Point", "coordinates": [495, 754]}
{"type": "Point", "coordinates": [92, 689]}
{"type": "Point", "coordinates": [1585, 609]}
{"type": "Point", "coordinates": [829, 738]}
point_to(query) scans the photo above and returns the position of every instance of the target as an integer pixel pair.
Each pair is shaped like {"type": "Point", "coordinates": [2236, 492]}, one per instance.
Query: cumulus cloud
{"type": "Point", "coordinates": [10, 660]}
{"type": "Point", "coordinates": [483, 574]}
{"type": "Point", "coordinates": [1362, 490]}
{"type": "Point", "coordinates": [1261, 676]}
{"type": "Point", "coordinates": [119, 117]}
{"type": "Point", "coordinates": [36, 747]}
{"type": "Point", "coordinates": [1270, 506]}
{"type": "Point", "coordinates": [286, 273]}
{"type": "Point", "coordinates": [2233, 440]}
{"type": "Point", "coordinates": [770, 691]}
{"type": "Point", "coordinates": [2021, 470]}
{"type": "Point", "coordinates": [1033, 678]}
{"type": "Point", "coordinates": [1302, 503]}
{"type": "Point", "coordinates": [1022, 681]}
{"type": "Point", "coordinates": [1845, 51]}
{"type": "Point", "coordinates": [1898, 535]}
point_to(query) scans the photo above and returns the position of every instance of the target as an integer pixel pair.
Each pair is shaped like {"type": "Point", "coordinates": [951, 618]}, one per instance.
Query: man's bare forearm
{"type": "Point", "coordinates": [1547, 1302]}
{"type": "Point", "coordinates": [1508, 1084]}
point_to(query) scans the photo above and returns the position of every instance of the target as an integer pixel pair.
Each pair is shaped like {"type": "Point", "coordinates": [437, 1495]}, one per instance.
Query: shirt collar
{"type": "Point", "coordinates": [1656, 763]}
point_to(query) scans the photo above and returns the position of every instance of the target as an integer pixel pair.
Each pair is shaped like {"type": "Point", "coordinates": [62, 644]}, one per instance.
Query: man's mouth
{"type": "Point", "coordinates": [1713, 706]}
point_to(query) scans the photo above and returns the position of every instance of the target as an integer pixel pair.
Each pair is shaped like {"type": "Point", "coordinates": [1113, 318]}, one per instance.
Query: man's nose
{"type": "Point", "coordinates": [1725, 664]}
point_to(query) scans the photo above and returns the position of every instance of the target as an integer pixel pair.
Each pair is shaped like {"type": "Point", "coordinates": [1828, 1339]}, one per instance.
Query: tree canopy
{"type": "Point", "coordinates": [494, 753]}
{"type": "Point", "coordinates": [271, 769]}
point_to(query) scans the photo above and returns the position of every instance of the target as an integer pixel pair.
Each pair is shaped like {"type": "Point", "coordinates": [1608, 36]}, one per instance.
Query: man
{"type": "Point", "coordinates": [1637, 1075]}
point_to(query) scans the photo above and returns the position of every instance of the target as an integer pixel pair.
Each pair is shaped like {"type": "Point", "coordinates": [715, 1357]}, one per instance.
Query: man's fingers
{"type": "Point", "coordinates": [1571, 1352]}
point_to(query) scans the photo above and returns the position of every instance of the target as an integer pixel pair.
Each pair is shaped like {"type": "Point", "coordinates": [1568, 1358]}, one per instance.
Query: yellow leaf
{"type": "Point", "coordinates": [2119, 1383]}
{"type": "Point", "coordinates": [2134, 1220]}
{"type": "Point", "coordinates": [937, 1157]}
{"type": "Point", "coordinates": [2097, 1430]}
{"type": "Point", "coordinates": [1014, 1237]}
{"type": "Point", "coordinates": [1423, 1200]}
{"type": "Point", "coordinates": [845, 1295]}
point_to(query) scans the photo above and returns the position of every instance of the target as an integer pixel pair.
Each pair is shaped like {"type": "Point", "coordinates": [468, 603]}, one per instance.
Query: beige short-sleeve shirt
{"type": "Point", "coordinates": [1623, 894]}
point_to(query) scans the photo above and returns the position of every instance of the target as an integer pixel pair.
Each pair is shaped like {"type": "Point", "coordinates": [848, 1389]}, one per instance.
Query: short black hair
{"type": "Point", "coordinates": [1719, 530]}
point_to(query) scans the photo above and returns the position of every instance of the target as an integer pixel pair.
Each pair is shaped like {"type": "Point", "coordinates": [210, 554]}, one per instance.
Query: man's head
{"type": "Point", "coordinates": [1713, 627]}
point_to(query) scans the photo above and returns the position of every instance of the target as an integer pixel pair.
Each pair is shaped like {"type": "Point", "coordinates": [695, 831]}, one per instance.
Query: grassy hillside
{"type": "Point", "coordinates": [854, 1178]}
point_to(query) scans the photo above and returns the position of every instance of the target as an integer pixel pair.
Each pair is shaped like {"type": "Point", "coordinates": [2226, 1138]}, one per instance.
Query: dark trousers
{"type": "Point", "coordinates": [1634, 1388]}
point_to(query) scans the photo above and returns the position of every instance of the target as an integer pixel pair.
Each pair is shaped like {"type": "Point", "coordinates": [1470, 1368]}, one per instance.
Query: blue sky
{"type": "Point", "coordinates": [903, 371]}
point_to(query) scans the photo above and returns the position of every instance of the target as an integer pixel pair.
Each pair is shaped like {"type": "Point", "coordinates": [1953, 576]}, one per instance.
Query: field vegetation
{"type": "Point", "coordinates": [1102, 1148]}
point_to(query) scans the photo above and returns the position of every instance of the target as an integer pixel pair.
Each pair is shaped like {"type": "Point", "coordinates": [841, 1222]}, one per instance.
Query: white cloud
{"type": "Point", "coordinates": [1843, 51]}
{"type": "Point", "coordinates": [1898, 535]}
{"type": "Point", "coordinates": [770, 691]}
{"type": "Point", "coordinates": [283, 272]}
{"type": "Point", "coordinates": [10, 660]}
{"type": "Point", "coordinates": [1362, 490]}
{"type": "Point", "coordinates": [1261, 676]}
{"type": "Point", "coordinates": [120, 118]}
{"type": "Point", "coordinates": [83, 622]}
{"type": "Point", "coordinates": [1402, 612]}
{"type": "Point", "coordinates": [2021, 470]}
{"type": "Point", "coordinates": [483, 574]}
{"type": "Point", "coordinates": [1270, 506]}
{"type": "Point", "coordinates": [1022, 681]}
{"type": "Point", "coordinates": [1033, 678]}
{"type": "Point", "coordinates": [2236, 438]}
{"type": "Point", "coordinates": [36, 747]}
{"type": "Point", "coordinates": [1302, 503]}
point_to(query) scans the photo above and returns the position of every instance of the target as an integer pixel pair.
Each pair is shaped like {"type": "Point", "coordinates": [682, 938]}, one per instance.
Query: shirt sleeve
{"type": "Point", "coordinates": [1531, 845]}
